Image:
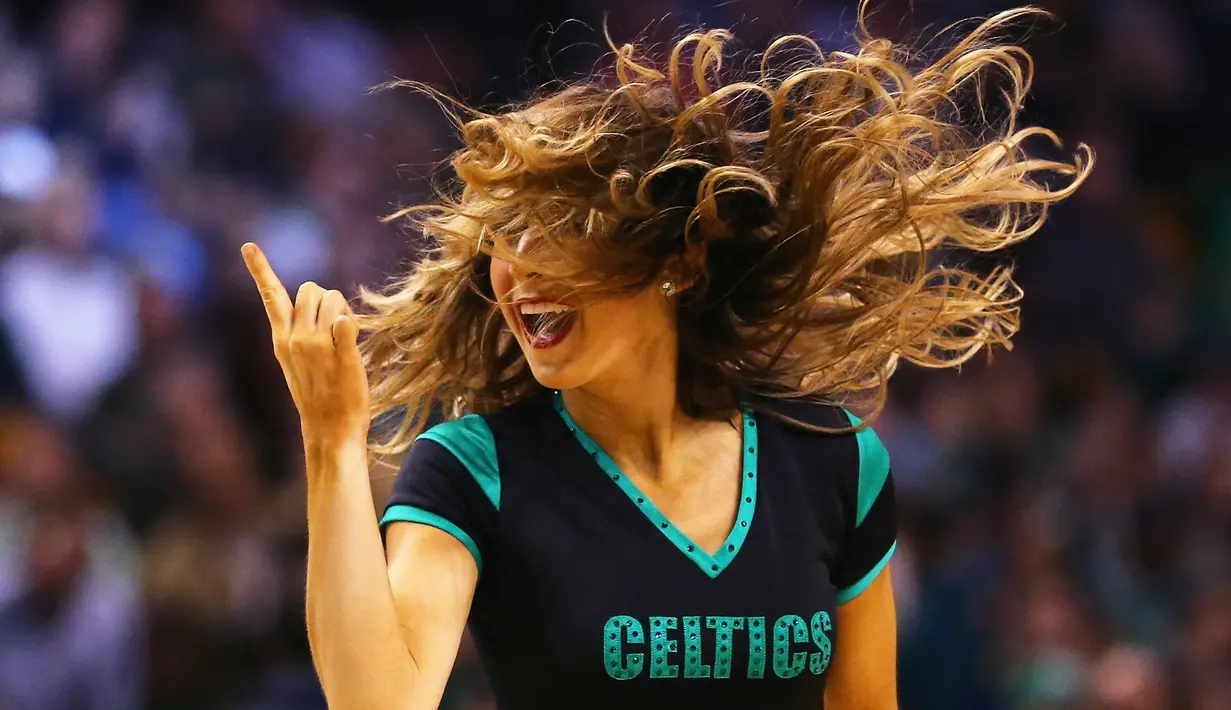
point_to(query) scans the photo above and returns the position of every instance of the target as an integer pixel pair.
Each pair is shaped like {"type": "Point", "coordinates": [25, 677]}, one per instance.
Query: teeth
{"type": "Point", "coordinates": [539, 308]}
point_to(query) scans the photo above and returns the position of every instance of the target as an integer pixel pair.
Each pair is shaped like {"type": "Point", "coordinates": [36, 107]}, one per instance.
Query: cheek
{"type": "Point", "coordinates": [631, 321]}
{"type": "Point", "coordinates": [502, 278]}
{"type": "Point", "coordinates": [502, 283]}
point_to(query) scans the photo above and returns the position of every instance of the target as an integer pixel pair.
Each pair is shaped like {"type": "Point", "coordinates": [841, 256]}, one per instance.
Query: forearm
{"type": "Point", "coordinates": [352, 622]}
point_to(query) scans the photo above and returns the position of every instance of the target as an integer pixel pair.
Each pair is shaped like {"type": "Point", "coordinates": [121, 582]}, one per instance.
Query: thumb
{"type": "Point", "coordinates": [345, 331]}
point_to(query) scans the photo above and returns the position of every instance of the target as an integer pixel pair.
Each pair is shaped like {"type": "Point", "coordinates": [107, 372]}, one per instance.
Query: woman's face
{"type": "Point", "coordinates": [569, 344]}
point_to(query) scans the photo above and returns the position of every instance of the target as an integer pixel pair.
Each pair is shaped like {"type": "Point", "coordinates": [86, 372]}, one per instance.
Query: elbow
{"type": "Point", "coordinates": [372, 685]}
{"type": "Point", "coordinates": [369, 697]}
{"type": "Point", "coordinates": [359, 705]}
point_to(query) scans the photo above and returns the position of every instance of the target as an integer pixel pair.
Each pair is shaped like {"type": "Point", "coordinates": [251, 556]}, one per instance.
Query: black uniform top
{"type": "Point", "coordinates": [589, 598]}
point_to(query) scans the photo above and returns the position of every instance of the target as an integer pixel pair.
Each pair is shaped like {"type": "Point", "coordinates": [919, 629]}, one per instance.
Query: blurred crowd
{"type": "Point", "coordinates": [1066, 529]}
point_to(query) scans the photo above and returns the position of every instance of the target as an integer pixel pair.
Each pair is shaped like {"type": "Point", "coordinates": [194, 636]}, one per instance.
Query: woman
{"type": "Point", "coordinates": [638, 312]}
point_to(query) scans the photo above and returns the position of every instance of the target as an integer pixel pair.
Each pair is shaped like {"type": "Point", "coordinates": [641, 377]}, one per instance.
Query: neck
{"type": "Point", "coordinates": [634, 411]}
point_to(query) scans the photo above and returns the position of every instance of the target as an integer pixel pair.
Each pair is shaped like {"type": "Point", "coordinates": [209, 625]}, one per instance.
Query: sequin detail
{"type": "Point", "coordinates": [618, 665]}
{"type": "Point", "coordinates": [789, 629]}
{"type": "Point", "coordinates": [756, 647]}
{"type": "Point", "coordinates": [723, 644]}
{"type": "Point", "coordinates": [793, 655]}
{"type": "Point", "coordinates": [693, 667]}
{"type": "Point", "coordinates": [822, 625]}
{"type": "Point", "coordinates": [662, 646]}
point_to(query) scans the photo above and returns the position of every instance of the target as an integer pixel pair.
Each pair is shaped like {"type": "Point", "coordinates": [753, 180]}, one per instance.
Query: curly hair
{"type": "Point", "coordinates": [822, 192]}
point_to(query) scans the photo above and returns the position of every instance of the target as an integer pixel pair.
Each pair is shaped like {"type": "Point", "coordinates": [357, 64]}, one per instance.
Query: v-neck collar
{"type": "Point", "coordinates": [711, 565]}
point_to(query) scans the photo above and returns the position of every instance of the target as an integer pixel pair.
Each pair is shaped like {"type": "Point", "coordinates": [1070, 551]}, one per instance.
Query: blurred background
{"type": "Point", "coordinates": [1066, 531]}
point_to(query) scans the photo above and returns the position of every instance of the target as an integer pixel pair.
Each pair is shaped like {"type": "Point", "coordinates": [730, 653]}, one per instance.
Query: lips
{"type": "Point", "coordinates": [544, 323]}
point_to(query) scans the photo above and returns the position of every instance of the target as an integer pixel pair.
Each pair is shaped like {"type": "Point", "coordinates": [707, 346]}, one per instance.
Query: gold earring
{"type": "Point", "coordinates": [667, 287]}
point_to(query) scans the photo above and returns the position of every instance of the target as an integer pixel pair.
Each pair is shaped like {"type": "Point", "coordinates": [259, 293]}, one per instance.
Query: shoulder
{"type": "Point", "coordinates": [831, 433]}
{"type": "Point", "coordinates": [458, 445]}
{"type": "Point", "coordinates": [803, 416]}
{"type": "Point", "coordinates": [477, 443]}
{"type": "Point", "coordinates": [469, 439]}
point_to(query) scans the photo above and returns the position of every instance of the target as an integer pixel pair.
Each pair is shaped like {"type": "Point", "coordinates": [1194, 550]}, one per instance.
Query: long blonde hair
{"type": "Point", "coordinates": [821, 193]}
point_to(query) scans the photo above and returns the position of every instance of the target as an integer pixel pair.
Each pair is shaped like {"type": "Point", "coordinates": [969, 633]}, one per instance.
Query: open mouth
{"type": "Point", "coordinates": [545, 323]}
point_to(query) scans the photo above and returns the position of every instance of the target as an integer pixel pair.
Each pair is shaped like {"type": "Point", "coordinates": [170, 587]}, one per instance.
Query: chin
{"type": "Point", "coordinates": [555, 377]}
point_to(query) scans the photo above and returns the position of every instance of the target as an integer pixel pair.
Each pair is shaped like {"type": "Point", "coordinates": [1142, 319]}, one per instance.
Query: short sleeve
{"type": "Point", "coordinates": [450, 480]}
{"type": "Point", "coordinates": [871, 536]}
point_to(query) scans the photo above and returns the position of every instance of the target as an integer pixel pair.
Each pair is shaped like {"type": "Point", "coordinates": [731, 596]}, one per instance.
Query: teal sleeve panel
{"type": "Point", "coordinates": [450, 480]}
{"type": "Point", "coordinates": [848, 593]}
{"type": "Point", "coordinates": [871, 527]}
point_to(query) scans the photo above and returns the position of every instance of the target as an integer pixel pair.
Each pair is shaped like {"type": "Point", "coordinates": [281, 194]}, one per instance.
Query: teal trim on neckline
{"type": "Point", "coordinates": [471, 441]}
{"type": "Point", "coordinates": [849, 593]}
{"type": "Point", "coordinates": [873, 468]}
{"type": "Point", "coordinates": [411, 514]}
{"type": "Point", "coordinates": [712, 565]}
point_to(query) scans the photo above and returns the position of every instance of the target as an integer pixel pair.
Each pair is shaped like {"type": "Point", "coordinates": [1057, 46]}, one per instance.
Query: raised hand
{"type": "Point", "coordinates": [316, 343]}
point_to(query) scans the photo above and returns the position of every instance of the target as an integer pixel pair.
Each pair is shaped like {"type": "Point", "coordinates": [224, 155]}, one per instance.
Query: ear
{"type": "Point", "coordinates": [685, 268]}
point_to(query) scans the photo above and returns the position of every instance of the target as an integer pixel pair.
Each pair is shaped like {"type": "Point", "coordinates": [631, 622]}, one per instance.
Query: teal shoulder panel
{"type": "Point", "coordinates": [471, 441]}
{"type": "Point", "coordinates": [873, 468]}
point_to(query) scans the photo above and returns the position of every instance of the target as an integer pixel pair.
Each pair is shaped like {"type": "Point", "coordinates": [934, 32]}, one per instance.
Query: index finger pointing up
{"type": "Point", "coordinates": [278, 305]}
